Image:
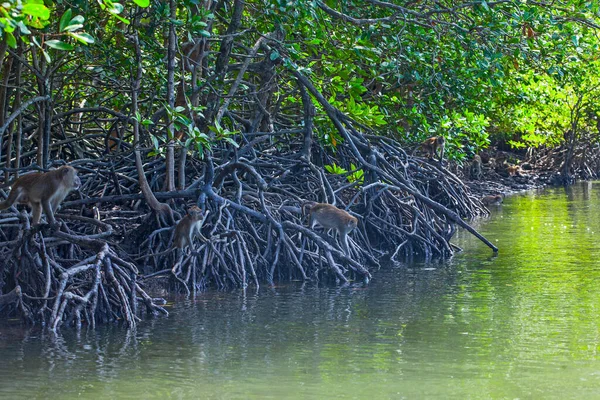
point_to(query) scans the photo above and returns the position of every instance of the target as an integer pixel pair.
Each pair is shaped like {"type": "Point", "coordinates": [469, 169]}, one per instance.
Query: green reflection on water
{"type": "Point", "coordinates": [524, 324]}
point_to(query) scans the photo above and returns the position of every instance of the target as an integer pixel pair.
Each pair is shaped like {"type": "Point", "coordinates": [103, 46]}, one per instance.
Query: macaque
{"type": "Point", "coordinates": [476, 167]}
{"type": "Point", "coordinates": [528, 31]}
{"type": "Point", "coordinates": [331, 217]}
{"type": "Point", "coordinates": [190, 54]}
{"type": "Point", "coordinates": [485, 157]}
{"type": "Point", "coordinates": [114, 139]}
{"type": "Point", "coordinates": [513, 170]}
{"type": "Point", "coordinates": [43, 190]}
{"type": "Point", "coordinates": [188, 227]}
{"type": "Point", "coordinates": [501, 160]}
{"type": "Point", "coordinates": [432, 145]}
{"type": "Point", "coordinates": [492, 200]}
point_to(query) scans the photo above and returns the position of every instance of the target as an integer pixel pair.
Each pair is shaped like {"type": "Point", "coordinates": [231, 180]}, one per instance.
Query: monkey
{"type": "Point", "coordinates": [113, 141]}
{"type": "Point", "coordinates": [513, 170]}
{"type": "Point", "coordinates": [432, 145]}
{"type": "Point", "coordinates": [188, 227]}
{"type": "Point", "coordinates": [185, 230]}
{"type": "Point", "coordinates": [528, 31]}
{"type": "Point", "coordinates": [485, 156]}
{"type": "Point", "coordinates": [331, 217]}
{"type": "Point", "coordinates": [494, 199]}
{"type": "Point", "coordinates": [43, 190]}
{"type": "Point", "coordinates": [476, 167]}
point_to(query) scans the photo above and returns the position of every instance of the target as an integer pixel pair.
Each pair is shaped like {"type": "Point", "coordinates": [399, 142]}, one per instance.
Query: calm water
{"type": "Point", "coordinates": [525, 324]}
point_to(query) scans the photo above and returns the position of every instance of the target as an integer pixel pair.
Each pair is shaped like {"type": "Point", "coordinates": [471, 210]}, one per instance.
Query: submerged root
{"type": "Point", "coordinates": [47, 284]}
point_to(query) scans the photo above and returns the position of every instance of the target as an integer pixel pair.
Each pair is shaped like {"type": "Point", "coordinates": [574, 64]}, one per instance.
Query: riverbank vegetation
{"type": "Point", "coordinates": [250, 109]}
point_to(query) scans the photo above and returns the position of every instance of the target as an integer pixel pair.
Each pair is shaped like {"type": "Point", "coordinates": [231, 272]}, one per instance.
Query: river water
{"type": "Point", "coordinates": [524, 324]}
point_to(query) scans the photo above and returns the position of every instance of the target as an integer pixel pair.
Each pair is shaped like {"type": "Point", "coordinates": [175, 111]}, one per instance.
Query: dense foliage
{"type": "Point", "coordinates": [512, 69]}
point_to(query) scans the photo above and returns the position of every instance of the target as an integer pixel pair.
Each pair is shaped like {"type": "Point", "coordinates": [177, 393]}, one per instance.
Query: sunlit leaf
{"type": "Point", "coordinates": [142, 3]}
{"type": "Point", "coordinates": [36, 10]}
{"type": "Point", "coordinates": [83, 37]}
{"type": "Point", "coordinates": [117, 8]}
{"type": "Point", "coordinates": [75, 27]}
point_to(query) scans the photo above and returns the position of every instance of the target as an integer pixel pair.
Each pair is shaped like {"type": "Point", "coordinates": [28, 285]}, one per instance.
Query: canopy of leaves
{"type": "Point", "coordinates": [407, 69]}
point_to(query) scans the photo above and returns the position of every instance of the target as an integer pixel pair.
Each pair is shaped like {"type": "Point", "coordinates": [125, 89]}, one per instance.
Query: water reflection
{"type": "Point", "coordinates": [523, 324]}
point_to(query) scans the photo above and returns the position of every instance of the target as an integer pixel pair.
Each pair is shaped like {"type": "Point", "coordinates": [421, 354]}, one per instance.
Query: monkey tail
{"type": "Point", "coordinates": [12, 197]}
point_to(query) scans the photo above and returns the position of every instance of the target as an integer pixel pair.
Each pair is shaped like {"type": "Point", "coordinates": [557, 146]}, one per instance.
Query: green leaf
{"type": "Point", "coordinates": [274, 55]}
{"type": "Point", "coordinates": [46, 56]}
{"type": "Point", "coordinates": [64, 20]}
{"type": "Point", "coordinates": [232, 142]}
{"type": "Point", "coordinates": [123, 20]}
{"type": "Point", "coordinates": [83, 37]}
{"type": "Point", "coordinates": [204, 33]}
{"type": "Point", "coordinates": [59, 45]}
{"type": "Point", "coordinates": [142, 3]}
{"type": "Point", "coordinates": [10, 39]}
{"type": "Point", "coordinates": [154, 141]}
{"type": "Point", "coordinates": [74, 24]}
{"type": "Point", "coordinates": [23, 28]}
{"type": "Point", "coordinates": [36, 10]}
{"type": "Point", "coordinates": [71, 28]}
{"type": "Point", "coordinates": [78, 19]}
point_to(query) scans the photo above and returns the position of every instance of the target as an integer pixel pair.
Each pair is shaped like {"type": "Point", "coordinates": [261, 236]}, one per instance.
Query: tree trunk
{"type": "Point", "coordinates": [212, 103]}
{"type": "Point", "coordinates": [153, 203]}
{"type": "Point", "coordinates": [309, 113]}
{"type": "Point", "coordinates": [171, 53]}
{"type": "Point", "coordinates": [4, 95]}
{"type": "Point", "coordinates": [16, 106]}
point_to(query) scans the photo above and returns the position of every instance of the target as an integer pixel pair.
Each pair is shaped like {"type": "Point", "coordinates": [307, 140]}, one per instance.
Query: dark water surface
{"type": "Point", "coordinates": [524, 324]}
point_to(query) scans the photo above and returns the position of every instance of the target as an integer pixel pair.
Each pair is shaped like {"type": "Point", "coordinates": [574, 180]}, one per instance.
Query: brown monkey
{"type": "Point", "coordinates": [485, 156]}
{"type": "Point", "coordinates": [188, 227]}
{"type": "Point", "coordinates": [331, 217]}
{"type": "Point", "coordinates": [476, 167]}
{"type": "Point", "coordinates": [432, 145]}
{"type": "Point", "coordinates": [513, 170]}
{"type": "Point", "coordinates": [185, 230]}
{"type": "Point", "coordinates": [43, 190]}
{"type": "Point", "coordinates": [493, 199]}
